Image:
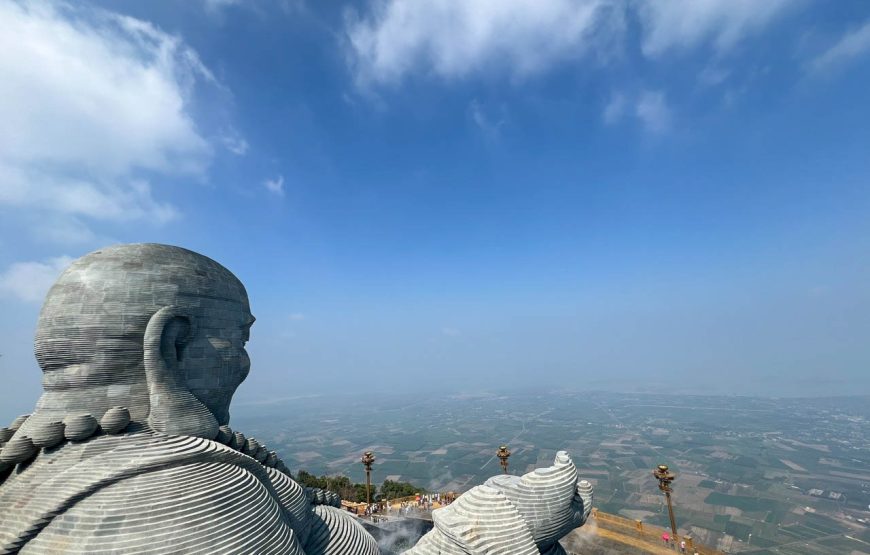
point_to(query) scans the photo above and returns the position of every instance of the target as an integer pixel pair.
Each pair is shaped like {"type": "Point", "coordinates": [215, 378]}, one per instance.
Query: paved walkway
{"type": "Point", "coordinates": [637, 543]}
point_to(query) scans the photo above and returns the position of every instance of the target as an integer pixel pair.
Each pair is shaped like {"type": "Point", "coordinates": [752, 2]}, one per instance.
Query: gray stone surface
{"type": "Point", "coordinates": [49, 434]}
{"type": "Point", "coordinates": [336, 532]}
{"type": "Point", "coordinates": [76, 427]}
{"type": "Point", "coordinates": [129, 450]}
{"type": "Point", "coordinates": [115, 420]}
{"type": "Point", "coordinates": [512, 515]}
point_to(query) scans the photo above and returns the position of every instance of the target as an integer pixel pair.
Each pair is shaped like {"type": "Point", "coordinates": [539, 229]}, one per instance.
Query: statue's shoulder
{"type": "Point", "coordinates": [204, 506]}
{"type": "Point", "coordinates": [123, 493]}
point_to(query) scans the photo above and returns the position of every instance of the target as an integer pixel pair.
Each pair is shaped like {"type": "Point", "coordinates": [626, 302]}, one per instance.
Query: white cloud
{"type": "Point", "coordinates": [106, 200]}
{"type": "Point", "coordinates": [30, 281]}
{"type": "Point", "coordinates": [650, 107]}
{"type": "Point", "coordinates": [452, 39]}
{"type": "Point", "coordinates": [653, 111]}
{"type": "Point", "coordinates": [489, 126]}
{"type": "Point", "coordinates": [686, 23]}
{"type": "Point", "coordinates": [234, 142]}
{"type": "Point", "coordinates": [275, 186]}
{"type": "Point", "coordinates": [297, 316]}
{"type": "Point", "coordinates": [455, 38]}
{"type": "Point", "coordinates": [263, 8]}
{"type": "Point", "coordinates": [94, 98]}
{"type": "Point", "coordinates": [852, 45]}
{"type": "Point", "coordinates": [451, 332]}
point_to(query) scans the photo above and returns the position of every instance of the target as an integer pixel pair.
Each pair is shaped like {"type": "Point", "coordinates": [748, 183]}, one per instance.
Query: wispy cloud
{"type": "Point", "coordinates": [454, 39]}
{"type": "Point", "coordinates": [96, 199]}
{"type": "Point", "coordinates": [297, 316]}
{"type": "Point", "coordinates": [275, 186]}
{"type": "Point", "coordinates": [234, 142]}
{"type": "Point", "coordinates": [489, 126]}
{"type": "Point", "coordinates": [30, 281]}
{"type": "Point", "coordinates": [675, 24]}
{"type": "Point", "coordinates": [852, 45]}
{"type": "Point", "coordinates": [94, 99]}
{"type": "Point", "coordinates": [649, 107]}
{"type": "Point", "coordinates": [652, 109]}
{"type": "Point", "coordinates": [712, 76]}
{"type": "Point", "coordinates": [520, 38]}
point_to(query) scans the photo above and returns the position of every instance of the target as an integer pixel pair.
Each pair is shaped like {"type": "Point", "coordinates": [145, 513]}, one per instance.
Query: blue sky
{"type": "Point", "coordinates": [437, 195]}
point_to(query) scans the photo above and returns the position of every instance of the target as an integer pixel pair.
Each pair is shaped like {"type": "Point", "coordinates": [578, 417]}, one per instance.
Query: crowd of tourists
{"type": "Point", "coordinates": [420, 503]}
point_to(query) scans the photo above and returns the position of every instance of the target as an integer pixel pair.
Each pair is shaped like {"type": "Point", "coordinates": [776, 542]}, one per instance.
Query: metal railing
{"type": "Point", "coordinates": [650, 533]}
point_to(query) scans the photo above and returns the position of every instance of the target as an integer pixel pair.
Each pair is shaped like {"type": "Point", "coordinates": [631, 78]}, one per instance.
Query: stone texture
{"type": "Point", "coordinates": [18, 422]}
{"type": "Point", "coordinates": [48, 434]}
{"type": "Point", "coordinates": [225, 434]}
{"type": "Point", "coordinates": [336, 532]}
{"type": "Point", "coordinates": [251, 447]}
{"type": "Point", "coordinates": [18, 449]}
{"type": "Point", "coordinates": [6, 434]}
{"type": "Point", "coordinates": [238, 442]}
{"type": "Point", "coordinates": [79, 427]}
{"type": "Point", "coordinates": [271, 459]}
{"type": "Point", "coordinates": [115, 420]}
{"type": "Point", "coordinates": [512, 515]}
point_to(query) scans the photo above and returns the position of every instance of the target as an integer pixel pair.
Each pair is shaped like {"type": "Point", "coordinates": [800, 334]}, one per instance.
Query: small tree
{"type": "Point", "coordinates": [393, 490]}
{"type": "Point", "coordinates": [339, 484]}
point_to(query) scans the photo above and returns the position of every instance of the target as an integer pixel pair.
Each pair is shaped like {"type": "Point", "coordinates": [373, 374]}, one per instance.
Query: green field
{"type": "Point", "coordinates": [742, 502]}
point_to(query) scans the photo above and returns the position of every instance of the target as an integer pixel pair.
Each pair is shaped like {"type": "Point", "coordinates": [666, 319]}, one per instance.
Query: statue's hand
{"type": "Point", "coordinates": [582, 502]}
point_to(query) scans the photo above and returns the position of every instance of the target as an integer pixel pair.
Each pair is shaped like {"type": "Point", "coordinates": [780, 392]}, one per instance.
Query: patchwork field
{"type": "Point", "coordinates": [753, 475]}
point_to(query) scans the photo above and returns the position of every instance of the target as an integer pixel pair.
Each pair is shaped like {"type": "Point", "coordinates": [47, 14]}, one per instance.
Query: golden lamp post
{"type": "Point", "coordinates": [368, 459]}
{"type": "Point", "coordinates": [665, 477]}
{"type": "Point", "coordinates": [503, 453]}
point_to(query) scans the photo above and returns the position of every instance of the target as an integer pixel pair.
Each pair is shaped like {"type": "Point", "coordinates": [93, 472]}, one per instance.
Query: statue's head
{"type": "Point", "coordinates": [156, 328]}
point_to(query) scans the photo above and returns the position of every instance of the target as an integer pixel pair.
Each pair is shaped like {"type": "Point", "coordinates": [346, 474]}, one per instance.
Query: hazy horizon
{"type": "Point", "coordinates": [245, 404]}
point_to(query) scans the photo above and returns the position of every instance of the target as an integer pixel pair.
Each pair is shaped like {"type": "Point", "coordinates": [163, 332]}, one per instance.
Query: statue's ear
{"type": "Point", "coordinates": [178, 330]}
{"type": "Point", "coordinates": [174, 409]}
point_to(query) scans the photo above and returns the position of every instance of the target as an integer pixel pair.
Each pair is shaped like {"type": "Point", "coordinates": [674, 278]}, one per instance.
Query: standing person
{"type": "Point", "coordinates": [666, 538]}
{"type": "Point", "coordinates": [682, 546]}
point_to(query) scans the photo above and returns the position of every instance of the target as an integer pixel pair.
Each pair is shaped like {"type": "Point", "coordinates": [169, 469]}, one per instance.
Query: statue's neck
{"type": "Point", "coordinates": [55, 405]}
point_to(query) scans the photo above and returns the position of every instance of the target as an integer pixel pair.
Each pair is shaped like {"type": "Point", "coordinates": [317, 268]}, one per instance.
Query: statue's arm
{"type": "Point", "coordinates": [192, 508]}
{"type": "Point", "coordinates": [321, 528]}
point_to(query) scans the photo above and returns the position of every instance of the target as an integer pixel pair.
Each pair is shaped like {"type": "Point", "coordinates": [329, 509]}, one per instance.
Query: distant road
{"type": "Point", "coordinates": [516, 437]}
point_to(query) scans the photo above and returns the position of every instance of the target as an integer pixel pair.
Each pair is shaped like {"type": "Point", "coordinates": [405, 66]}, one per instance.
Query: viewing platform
{"type": "Point", "coordinates": [606, 533]}
{"type": "Point", "coordinates": [603, 533]}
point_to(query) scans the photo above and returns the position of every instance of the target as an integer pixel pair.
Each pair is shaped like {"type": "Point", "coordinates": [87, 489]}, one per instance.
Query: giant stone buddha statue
{"type": "Point", "coordinates": [128, 449]}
